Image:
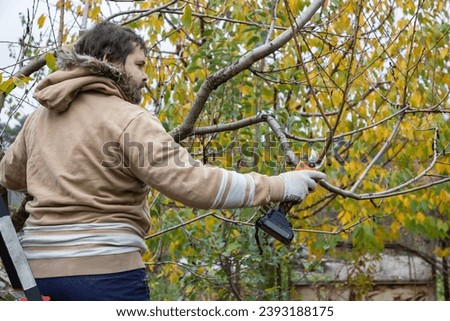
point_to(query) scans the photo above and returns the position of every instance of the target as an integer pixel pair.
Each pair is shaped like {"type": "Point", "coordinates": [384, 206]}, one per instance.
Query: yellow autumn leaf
{"type": "Point", "coordinates": [209, 222]}
{"type": "Point", "coordinates": [344, 236]}
{"type": "Point", "coordinates": [442, 252]}
{"type": "Point", "coordinates": [395, 227]}
{"type": "Point", "coordinates": [94, 14]}
{"type": "Point", "coordinates": [173, 273]}
{"type": "Point", "coordinates": [246, 90]}
{"type": "Point", "coordinates": [173, 247]}
{"type": "Point", "coordinates": [401, 217]}
{"type": "Point", "coordinates": [402, 23]}
{"type": "Point", "coordinates": [410, 5]}
{"type": "Point", "coordinates": [235, 233]}
{"type": "Point", "coordinates": [146, 257]}
{"type": "Point", "coordinates": [50, 60]}
{"type": "Point", "coordinates": [41, 21]}
{"type": "Point", "coordinates": [345, 217]}
{"type": "Point", "coordinates": [408, 132]}
{"type": "Point", "coordinates": [294, 5]}
{"type": "Point", "coordinates": [420, 217]}
{"type": "Point", "coordinates": [416, 99]}
{"type": "Point", "coordinates": [144, 5]}
{"type": "Point", "coordinates": [444, 196]}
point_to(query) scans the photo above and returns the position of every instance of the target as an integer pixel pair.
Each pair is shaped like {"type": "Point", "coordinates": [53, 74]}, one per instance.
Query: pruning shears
{"type": "Point", "coordinates": [275, 222]}
{"type": "Point", "coordinates": [310, 164]}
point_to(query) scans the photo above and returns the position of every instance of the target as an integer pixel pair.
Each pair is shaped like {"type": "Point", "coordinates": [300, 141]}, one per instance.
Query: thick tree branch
{"type": "Point", "coordinates": [26, 71]}
{"type": "Point", "coordinates": [278, 131]}
{"type": "Point", "coordinates": [230, 126]}
{"type": "Point", "coordinates": [215, 80]}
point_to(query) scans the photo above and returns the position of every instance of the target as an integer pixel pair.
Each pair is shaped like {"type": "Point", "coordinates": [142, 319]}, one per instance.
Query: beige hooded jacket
{"type": "Point", "coordinates": [88, 157]}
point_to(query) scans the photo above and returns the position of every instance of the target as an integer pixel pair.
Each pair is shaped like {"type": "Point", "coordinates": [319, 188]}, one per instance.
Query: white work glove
{"type": "Point", "coordinates": [297, 184]}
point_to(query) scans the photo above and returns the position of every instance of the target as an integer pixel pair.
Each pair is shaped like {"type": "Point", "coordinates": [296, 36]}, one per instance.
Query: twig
{"type": "Point", "coordinates": [272, 26]}
{"type": "Point", "coordinates": [305, 71]}
{"type": "Point", "coordinates": [369, 196]}
{"type": "Point", "coordinates": [221, 218]}
{"type": "Point", "coordinates": [424, 172]}
{"type": "Point", "coordinates": [179, 225]}
{"type": "Point", "coordinates": [145, 13]}
{"type": "Point", "coordinates": [350, 133]}
{"type": "Point", "coordinates": [61, 24]}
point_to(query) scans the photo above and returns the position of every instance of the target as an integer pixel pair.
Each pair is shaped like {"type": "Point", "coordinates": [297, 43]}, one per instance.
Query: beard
{"type": "Point", "coordinates": [132, 90]}
{"type": "Point", "coordinates": [136, 94]}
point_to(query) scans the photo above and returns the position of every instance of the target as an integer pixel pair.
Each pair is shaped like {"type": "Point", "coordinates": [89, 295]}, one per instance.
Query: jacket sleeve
{"type": "Point", "coordinates": [13, 174]}
{"type": "Point", "coordinates": [156, 159]}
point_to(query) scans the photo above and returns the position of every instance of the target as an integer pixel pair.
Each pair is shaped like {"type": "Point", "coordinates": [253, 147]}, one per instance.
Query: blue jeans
{"type": "Point", "coordinates": [123, 286]}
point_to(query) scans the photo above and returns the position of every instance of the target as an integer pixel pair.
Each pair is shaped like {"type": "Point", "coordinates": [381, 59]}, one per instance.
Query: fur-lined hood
{"type": "Point", "coordinates": [69, 59]}
{"type": "Point", "coordinates": [79, 73]}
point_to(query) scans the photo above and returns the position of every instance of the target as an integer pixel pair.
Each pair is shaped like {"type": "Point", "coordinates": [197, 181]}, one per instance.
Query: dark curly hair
{"type": "Point", "coordinates": [110, 41]}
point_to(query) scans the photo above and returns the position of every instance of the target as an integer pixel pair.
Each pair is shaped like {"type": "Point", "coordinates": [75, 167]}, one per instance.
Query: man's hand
{"type": "Point", "coordinates": [297, 184]}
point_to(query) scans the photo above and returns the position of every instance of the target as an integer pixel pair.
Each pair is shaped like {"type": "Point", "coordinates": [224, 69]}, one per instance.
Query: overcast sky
{"type": "Point", "coordinates": [11, 30]}
{"type": "Point", "coordinates": [9, 16]}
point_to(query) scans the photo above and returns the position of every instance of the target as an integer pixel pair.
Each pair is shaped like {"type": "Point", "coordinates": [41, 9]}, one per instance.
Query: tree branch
{"type": "Point", "coordinates": [379, 154]}
{"type": "Point", "coordinates": [276, 128]}
{"type": "Point", "coordinates": [371, 196]}
{"type": "Point", "coordinates": [26, 71]}
{"type": "Point", "coordinates": [215, 80]}
{"type": "Point", "coordinates": [305, 71]}
{"type": "Point", "coordinates": [165, 10]}
{"type": "Point", "coordinates": [230, 126]}
{"type": "Point", "coordinates": [179, 225]}
{"type": "Point", "coordinates": [144, 14]}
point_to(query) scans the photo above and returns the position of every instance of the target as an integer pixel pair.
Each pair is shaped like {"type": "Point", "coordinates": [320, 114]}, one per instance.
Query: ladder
{"type": "Point", "coordinates": [14, 259]}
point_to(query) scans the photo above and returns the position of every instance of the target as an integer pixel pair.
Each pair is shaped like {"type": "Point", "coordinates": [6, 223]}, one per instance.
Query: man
{"type": "Point", "coordinates": [88, 156]}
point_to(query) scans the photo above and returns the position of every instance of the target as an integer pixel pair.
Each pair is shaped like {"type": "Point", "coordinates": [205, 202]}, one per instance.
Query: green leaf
{"type": "Point", "coordinates": [186, 18]}
{"type": "Point", "coordinates": [231, 248]}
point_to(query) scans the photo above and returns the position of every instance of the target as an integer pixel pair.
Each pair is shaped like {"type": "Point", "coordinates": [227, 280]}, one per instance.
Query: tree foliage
{"type": "Point", "coordinates": [365, 84]}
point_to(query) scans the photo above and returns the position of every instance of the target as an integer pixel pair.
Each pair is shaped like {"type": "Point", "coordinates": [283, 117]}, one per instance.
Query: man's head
{"type": "Point", "coordinates": [108, 41]}
{"type": "Point", "coordinates": [119, 46]}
